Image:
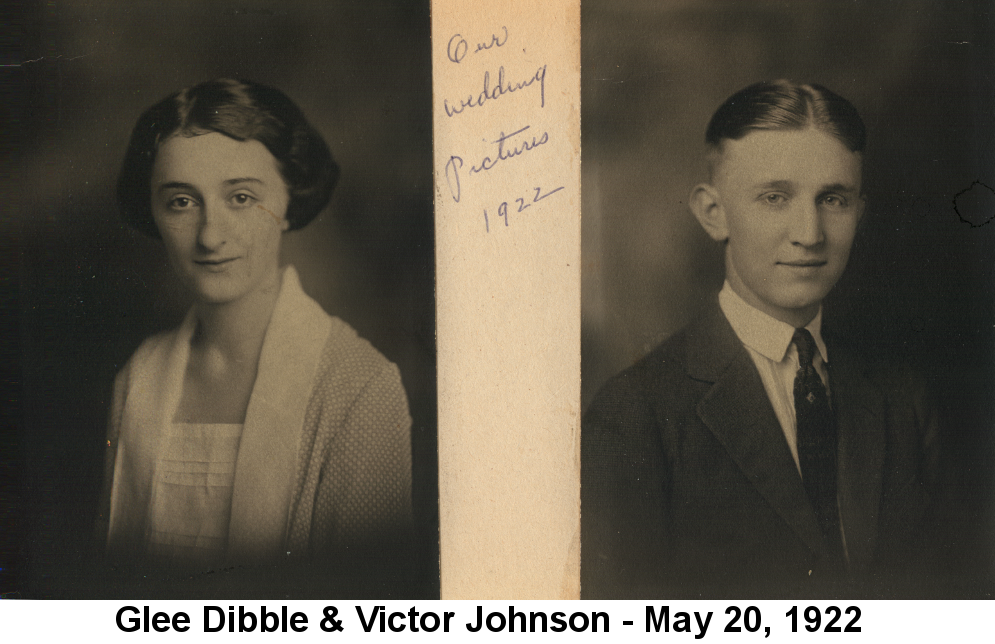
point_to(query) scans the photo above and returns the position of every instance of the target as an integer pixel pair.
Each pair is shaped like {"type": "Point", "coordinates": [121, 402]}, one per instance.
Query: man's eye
{"type": "Point", "coordinates": [834, 201]}
{"type": "Point", "coordinates": [774, 198]}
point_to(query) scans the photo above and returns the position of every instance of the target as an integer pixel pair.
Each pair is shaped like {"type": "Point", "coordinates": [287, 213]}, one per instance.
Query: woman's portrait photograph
{"type": "Point", "coordinates": [225, 290]}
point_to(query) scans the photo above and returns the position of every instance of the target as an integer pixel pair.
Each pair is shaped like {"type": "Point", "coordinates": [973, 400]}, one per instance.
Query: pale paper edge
{"type": "Point", "coordinates": [508, 335]}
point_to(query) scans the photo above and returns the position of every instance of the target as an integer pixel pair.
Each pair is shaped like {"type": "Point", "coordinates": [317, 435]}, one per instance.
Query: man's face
{"type": "Point", "coordinates": [790, 202]}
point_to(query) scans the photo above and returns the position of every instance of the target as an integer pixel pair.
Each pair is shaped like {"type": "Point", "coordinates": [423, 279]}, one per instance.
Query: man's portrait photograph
{"type": "Point", "coordinates": [787, 300]}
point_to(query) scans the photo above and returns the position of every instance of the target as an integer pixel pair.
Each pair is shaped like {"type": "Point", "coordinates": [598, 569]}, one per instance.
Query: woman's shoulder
{"type": "Point", "coordinates": [156, 342]}
{"type": "Point", "coordinates": [152, 348]}
{"type": "Point", "coordinates": [347, 355]}
{"type": "Point", "coordinates": [345, 352]}
{"type": "Point", "coordinates": [148, 359]}
{"type": "Point", "coordinates": [354, 380]}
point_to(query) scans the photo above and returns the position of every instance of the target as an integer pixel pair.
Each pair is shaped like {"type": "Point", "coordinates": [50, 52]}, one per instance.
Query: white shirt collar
{"type": "Point", "coordinates": [767, 336]}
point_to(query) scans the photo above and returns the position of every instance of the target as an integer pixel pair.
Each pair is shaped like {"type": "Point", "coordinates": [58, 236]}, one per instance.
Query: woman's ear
{"type": "Point", "coordinates": [707, 209]}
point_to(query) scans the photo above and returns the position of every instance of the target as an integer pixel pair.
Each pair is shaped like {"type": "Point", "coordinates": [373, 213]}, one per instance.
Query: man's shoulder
{"type": "Point", "coordinates": [660, 378]}
{"type": "Point", "coordinates": [895, 377]}
{"type": "Point", "coordinates": [666, 360]}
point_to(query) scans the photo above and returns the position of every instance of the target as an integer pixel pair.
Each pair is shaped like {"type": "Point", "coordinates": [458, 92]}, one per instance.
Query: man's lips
{"type": "Point", "coordinates": [804, 263]}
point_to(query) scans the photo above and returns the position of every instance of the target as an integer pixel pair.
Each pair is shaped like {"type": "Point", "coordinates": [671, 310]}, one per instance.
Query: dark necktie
{"type": "Point", "coordinates": [817, 444]}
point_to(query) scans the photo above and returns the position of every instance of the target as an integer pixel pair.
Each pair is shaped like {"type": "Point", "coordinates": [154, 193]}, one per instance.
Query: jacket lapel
{"type": "Point", "coordinates": [738, 412]}
{"type": "Point", "coordinates": [859, 409]}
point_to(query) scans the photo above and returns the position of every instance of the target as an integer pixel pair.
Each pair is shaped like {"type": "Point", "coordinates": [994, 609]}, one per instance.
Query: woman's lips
{"type": "Point", "coordinates": [215, 265]}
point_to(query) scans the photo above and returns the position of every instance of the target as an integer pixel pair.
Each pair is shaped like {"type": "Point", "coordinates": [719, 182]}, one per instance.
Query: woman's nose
{"type": "Point", "coordinates": [214, 227]}
{"type": "Point", "coordinates": [806, 228]}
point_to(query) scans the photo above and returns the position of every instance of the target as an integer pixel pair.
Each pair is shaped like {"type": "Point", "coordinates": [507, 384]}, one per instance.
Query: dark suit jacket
{"type": "Point", "coordinates": [689, 487]}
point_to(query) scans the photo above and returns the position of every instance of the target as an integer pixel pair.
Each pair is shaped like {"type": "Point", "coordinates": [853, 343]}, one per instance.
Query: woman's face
{"type": "Point", "coordinates": [220, 206]}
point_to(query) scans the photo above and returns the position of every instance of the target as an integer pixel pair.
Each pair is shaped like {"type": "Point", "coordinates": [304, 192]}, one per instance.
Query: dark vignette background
{"type": "Point", "coordinates": [82, 290]}
{"type": "Point", "coordinates": [920, 281]}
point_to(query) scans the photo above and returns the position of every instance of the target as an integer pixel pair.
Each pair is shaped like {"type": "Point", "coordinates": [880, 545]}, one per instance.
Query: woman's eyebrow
{"type": "Point", "coordinates": [170, 185]}
{"type": "Point", "coordinates": [229, 182]}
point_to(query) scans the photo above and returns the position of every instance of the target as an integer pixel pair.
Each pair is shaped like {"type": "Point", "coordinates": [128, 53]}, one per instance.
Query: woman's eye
{"type": "Point", "coordinates": [242, 199]}
{"type": "Point", "coordinates": [180, 203]}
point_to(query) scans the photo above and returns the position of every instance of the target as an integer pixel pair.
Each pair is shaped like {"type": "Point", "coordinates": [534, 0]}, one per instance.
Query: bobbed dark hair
{"type": "Point", "coordinates": [785, 105]}
{"type": "Point", "coordinates": [242, 110]}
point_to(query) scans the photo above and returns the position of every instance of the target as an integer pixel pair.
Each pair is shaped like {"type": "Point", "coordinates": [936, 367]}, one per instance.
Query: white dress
{"type": "Point", "coordinates": [191, 494]}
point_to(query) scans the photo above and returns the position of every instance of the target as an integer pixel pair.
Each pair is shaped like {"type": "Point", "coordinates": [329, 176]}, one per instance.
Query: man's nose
{"type": "Point", "coordinates": [806, 225]}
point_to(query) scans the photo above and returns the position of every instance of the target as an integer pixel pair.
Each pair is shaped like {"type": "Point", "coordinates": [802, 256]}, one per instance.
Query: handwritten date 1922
{"type": "Point", "coordinates": [522, 205]}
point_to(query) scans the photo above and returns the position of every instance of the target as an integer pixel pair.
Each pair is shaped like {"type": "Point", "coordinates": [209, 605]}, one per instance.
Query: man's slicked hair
{"type": "Point", "coordinates": [785, 105]}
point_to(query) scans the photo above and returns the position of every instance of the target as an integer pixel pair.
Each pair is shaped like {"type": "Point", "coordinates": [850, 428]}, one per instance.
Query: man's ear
{"type": "Point", "coordinates": [707, 209]}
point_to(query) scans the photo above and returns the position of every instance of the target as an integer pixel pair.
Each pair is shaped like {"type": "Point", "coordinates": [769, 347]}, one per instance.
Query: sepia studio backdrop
{"type": "Point", "coordinates": [920, 279]}
{"type": "Point", "coordinates": [91, 289]}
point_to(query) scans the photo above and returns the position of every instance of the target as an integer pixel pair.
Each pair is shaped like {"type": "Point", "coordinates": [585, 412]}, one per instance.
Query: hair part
{"type": "Point", "coordinates": [784, 105]}
{"type": "Point", "coordinates": [241, 110]}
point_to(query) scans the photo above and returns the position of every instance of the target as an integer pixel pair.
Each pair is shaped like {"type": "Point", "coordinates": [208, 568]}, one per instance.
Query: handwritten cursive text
{"type": "Point", "coordinates": [501, 88]}
{"type": "Point", "coordinates": [504, 153]}
{"type": "Point", "coordinates": [457, 48]}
